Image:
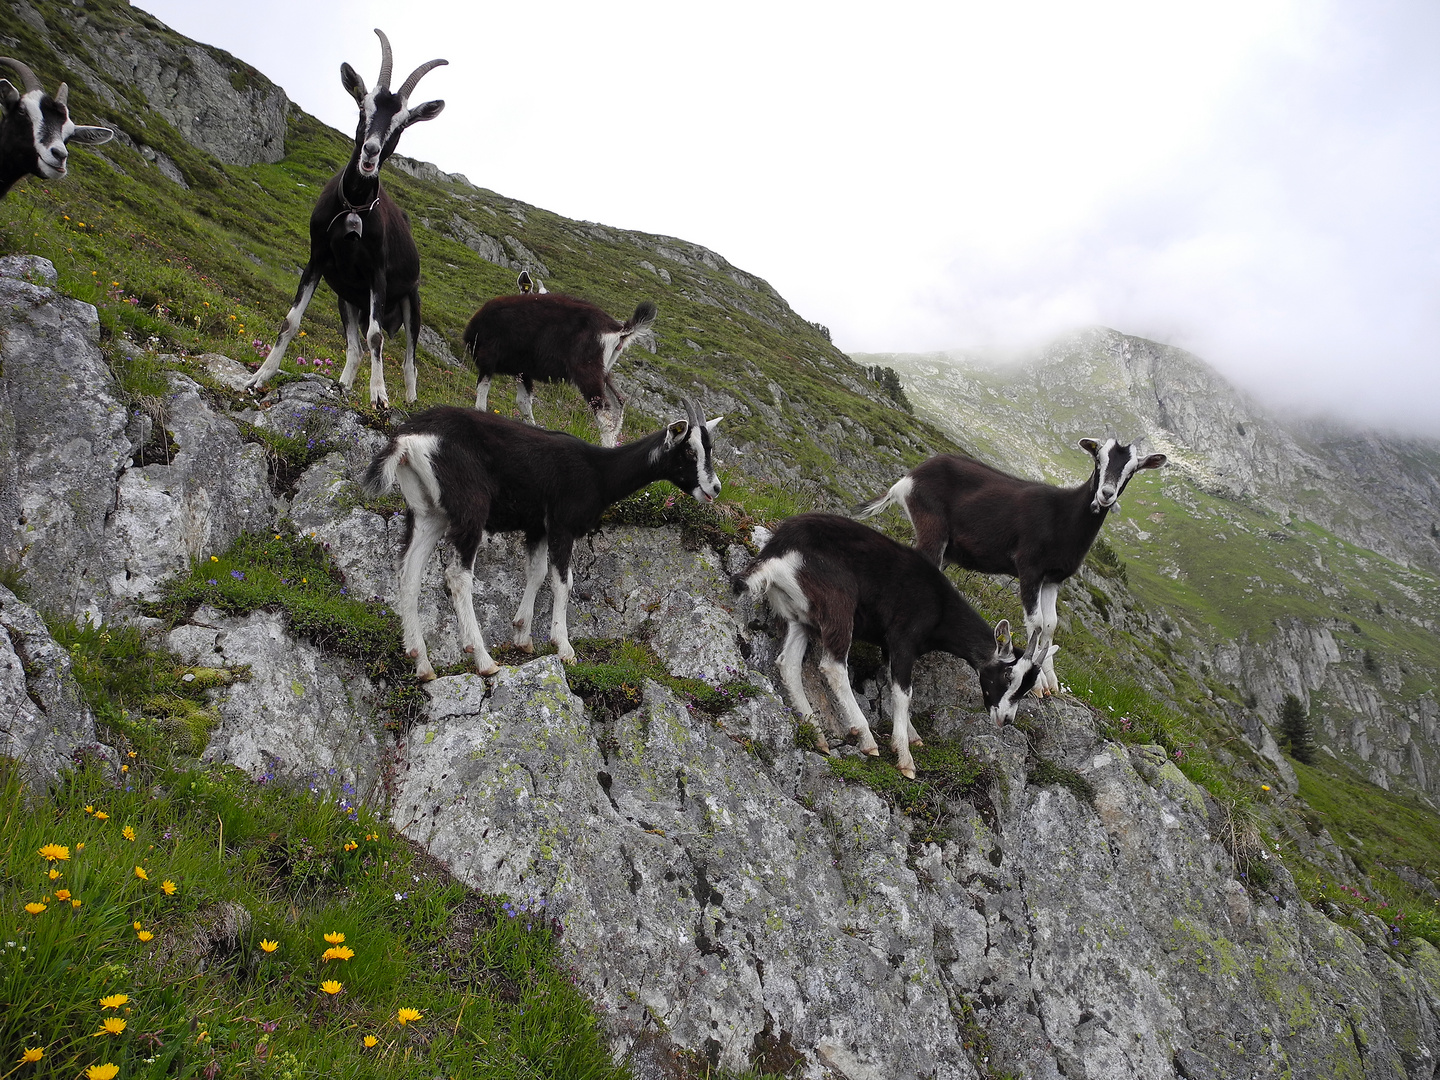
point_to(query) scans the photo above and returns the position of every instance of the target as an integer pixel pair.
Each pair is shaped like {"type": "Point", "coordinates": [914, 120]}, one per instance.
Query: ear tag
{"type": "Point", "coordinates": [354, 224]}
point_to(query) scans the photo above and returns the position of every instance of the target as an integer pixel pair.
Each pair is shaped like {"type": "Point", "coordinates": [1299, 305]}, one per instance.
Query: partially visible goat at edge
{"type": "Point", "coordinates": [35, 128]}
{"type": "Point", "coordinates": [360, 241]}
{"type": "Point", "coordinates": [465, 473]}
{"type": "Point", "coordinates": [550, 337]}
{"type": "Point", "coordinates": [967, 513]}
{"type": "Point", "coordinates": [838, 580]}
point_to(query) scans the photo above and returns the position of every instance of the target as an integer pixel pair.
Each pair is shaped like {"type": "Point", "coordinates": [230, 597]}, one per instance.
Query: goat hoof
{"type": "Point", "coordinates": [917, 742]}
{"type": "Point", "coordinates": [425, 676]}
{"type": "Point", "coordinates": [822, 747]}
{"type": "Point", "coordinates": [907, 771]}
{"type": "Point", "coordinates": [874, 751]}
{"type": "Point", "coordinates": [493, 669]}
{"type": "Point", "coordinates": [525, 647]}
{"type": "Point", "coordinates": [568, 660]}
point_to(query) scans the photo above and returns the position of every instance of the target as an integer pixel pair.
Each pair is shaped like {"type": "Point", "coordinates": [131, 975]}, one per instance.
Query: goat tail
{"type": "Point", "coordinates": [897, 496]}
{"type": "Point", "coordinates": [406, 459]}
{"type": "Point", "coordinates": [379, 478]}
{"type": "Point", "coordinates": [642, 320]}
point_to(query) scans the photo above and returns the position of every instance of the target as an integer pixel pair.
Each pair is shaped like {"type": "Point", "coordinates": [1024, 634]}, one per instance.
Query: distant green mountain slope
{"type": "Point", "coordinates": [1296, 559]}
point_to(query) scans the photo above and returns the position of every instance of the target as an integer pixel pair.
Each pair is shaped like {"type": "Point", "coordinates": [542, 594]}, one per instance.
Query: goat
{"type": "Point", "coordinates": [979, 518]}
{"type": "Point", "coordinates": [526, 284]}
{"type": "Point", "coordinates": [465, 473]}
{"type": "Point", "coordinates": [34, 128]}
{"type": "Point", "coordinates": [837, 579]}
{"type": "Point", "coordinates": [360, 241]}
{"type": "Point", "coordinates": [550, 337]}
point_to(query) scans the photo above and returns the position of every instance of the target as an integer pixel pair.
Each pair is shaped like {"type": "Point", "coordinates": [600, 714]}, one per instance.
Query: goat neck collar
{"type": "Point", "coordinates": [352, 207]}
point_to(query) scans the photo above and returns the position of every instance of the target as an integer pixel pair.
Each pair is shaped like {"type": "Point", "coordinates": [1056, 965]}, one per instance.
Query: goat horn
{"type": "Point", "coordinates": [692, 414]}
{"type": "Point", "coordinates": [386, 61]}
{"type": "Point", "coordinates": [26, 75]}
{"type": "Point", "coordinates": [63, 94]}
{"type": "Point", "coordinates": [416, 75]}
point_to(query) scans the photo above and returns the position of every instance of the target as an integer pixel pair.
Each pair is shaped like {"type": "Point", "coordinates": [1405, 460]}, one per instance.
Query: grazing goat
{"type": "Point", "coordinates": [979, 518]}
{"type": "Point", "coordinates": [360, 241]}
{"type": "Point", "coordinates": [34, 128]}
{"type": "Point", "coordinates": [548, 337]}
{"type": "Point", "coordinates": [465, 473]}
{"type": "Point", "coordinates": [525, 283]}
{"type": "Point", "coordinates": [837, 579]}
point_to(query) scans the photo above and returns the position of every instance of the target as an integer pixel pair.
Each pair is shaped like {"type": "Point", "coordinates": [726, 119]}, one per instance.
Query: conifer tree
{"type": "Point", "coordinates": [1295, 730]}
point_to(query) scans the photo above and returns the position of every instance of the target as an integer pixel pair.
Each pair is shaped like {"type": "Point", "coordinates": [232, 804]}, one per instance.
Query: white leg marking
{"type": "Point", "coordinates": [792, 656]}
{"type": "Point", "coordinates": [839, 680]}
{"type": "Point", "coordinates": [524, 400]}
{"type": "Point", "coordinates": [351, 319]}
{"type": "Point", "coordinates": [534, 575]}
{"type": "Point", "coordinates": [288, 329]}
{"type": "Point", "coordinates": [559, 633]}
{"type": "Point", "coordinates": [375, 337]}
{"type": "Point", "coordinates": [429, 527]}
{"type": "Point", "coordinates": [1049, 594]}
{"type": "Point", "coordinates": [1034, 627]}
{"type": "Point", "coordinates": [412, 331]}
{"type": "Point", "coordinates": [460, 581]}
{"type": "Point", "coordinates": [482, 394]}
{"type": "Point", "coordinates": [900, 736]}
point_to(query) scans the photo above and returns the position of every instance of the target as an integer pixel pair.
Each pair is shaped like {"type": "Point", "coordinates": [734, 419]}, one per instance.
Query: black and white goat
{"type": "Point", "coordinates": [550, 337]}
{"type": "Point", "coordinates": [465, 473]}
{"type": "Point", "coordinates": [979, 518]}
{"type": "Point", "coordinates": [839, 580]}
{"type": "Point", "coordinates": [360, 241]}
{"type": "Point", "coordinates": [34, 128]}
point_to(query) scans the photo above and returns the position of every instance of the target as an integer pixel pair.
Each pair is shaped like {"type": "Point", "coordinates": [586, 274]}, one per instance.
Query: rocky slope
{"type": "Point", "coordinates": [723, 892]}
{"type": "Point", "coordinates": [1299, 557]}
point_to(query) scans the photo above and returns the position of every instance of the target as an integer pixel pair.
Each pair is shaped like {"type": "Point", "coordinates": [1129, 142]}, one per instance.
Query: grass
{"type": "Point", "coordinates": [205, 999]}
{"type": "Point", "coordinates": [944, 774]}
{"type": "Point", "coordinates": [609, 674]}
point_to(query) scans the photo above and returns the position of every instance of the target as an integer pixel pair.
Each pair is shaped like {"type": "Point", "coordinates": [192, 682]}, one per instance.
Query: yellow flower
{"type": "Point", "coordinates": [100, 815]}
{"type": "Point", "coordinates": [330, 986]}
{"type": "Point", "coordinates": [89, 809]}
{"type": "Point", "coordinates": [144, 935]}
{"type": "Point", "coordinates": [232, 316]}
{"type": "Point", "coordinates": [74, 903]}
{"type": "Point", "coordinates": [34, 908]}
{"type": "Point", "coordinates": [130, 753]}
{"type": "Point", "coordinates": [53, 873]}
{"type": "Point", "coordinates": [32, 1053]}
{"type": "Point", "coordinates": [111, 1025]}
{"type": "Point", "coordinates": [338, 952]}
{"type": "Point", "coordinates": [62, 894]}
{"type": "Point", "coordinates": [128, 833]}
{"type": "Point", "coordinates": [51, 852]}
{"type": "Point", "coordinates": [333, 938]}
{"type": "Point", "coordinates": [137, 924]}
{"type": "Point", "coordinates": [141, 874]}
{"type": "Point", "coordinates": [404, 1016]}
{"type": "Point", "coordinates": [370, 1040]}
{"type": "Point", "coordinates": [79, 847]}
{"type": "Point", "coordinates": [214, 558]}
{"type": "Point", "coordinates": [114, 1001]}
{"type": "Point", "coordinates": [102, 1072]}
{"type": "Point", "coordinates": [125, 768]}
{"type": "Point", "coordinates": [1264, 787]}
{"type": "Point", "coordinates": [351, 845]}
{"type": "Point", "coordinates": [269, 946]}
{"type": "Point", "coordinates": [167, 887]}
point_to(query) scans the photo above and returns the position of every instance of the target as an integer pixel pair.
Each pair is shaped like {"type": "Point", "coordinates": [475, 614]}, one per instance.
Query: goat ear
{"type": "Point", "coordinates": [8, 94]}
{"type": "Point", "coordinates": [711, 425]}
{"type": "Point", "coordinates": [1050, 653]}
{"type": "Point", "coordinates": [1091, 447]}
{"type": "Point", "coordinates": [676, 431]}
{"type": "Point", "coordinates": [1003, 645]}
{"type": "Point", "coordinates": [1154, 461]}
{"type": "Point", "coordinates": [427, 111]}
{"type": "Point", "coordinates": [353, 83]}
{"type": "Point", "coordinates": [91, 135]}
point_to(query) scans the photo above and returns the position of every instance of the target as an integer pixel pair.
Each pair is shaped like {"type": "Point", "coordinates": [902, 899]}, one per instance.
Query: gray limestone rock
{"type": "Point", "coordinates": [43, 721]}
{"type": "Point", "coordinates": [299, 715]}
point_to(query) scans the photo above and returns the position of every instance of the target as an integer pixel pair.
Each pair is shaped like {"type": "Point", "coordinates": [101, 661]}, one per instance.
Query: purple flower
{"type": "Point", "coordinates": [238, 575]}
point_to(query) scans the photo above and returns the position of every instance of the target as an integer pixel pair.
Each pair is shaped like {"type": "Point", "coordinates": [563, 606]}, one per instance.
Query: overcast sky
{"type": "Point", "coordinates": [1255, 181]}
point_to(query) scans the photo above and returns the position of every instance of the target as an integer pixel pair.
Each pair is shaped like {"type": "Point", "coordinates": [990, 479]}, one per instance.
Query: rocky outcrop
{"type": "Point", "coordinates": [101, 501]}
{"type": "Point", "coordinates": [43, 721]}
{"type": "Point", "coordinates": [728, 899]}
